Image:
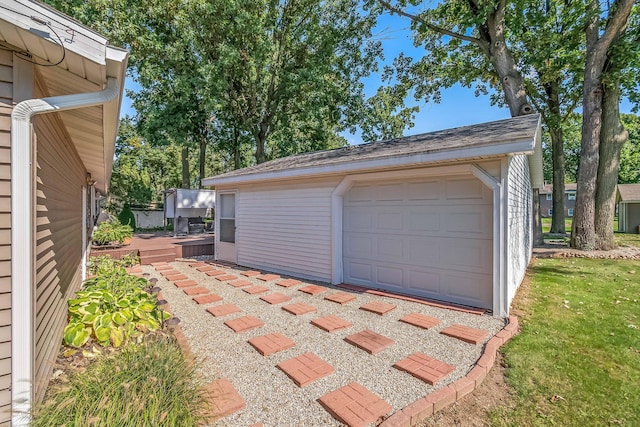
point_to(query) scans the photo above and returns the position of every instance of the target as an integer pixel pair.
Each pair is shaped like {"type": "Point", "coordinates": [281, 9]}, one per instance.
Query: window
{"type": "Point", "coordinates": [550, 212]}
{"type": "Point", "coordinates": [549, 196]}
{"type": "Point", "coordinates": [571, 195]}
{"type": "Point", "coordinates": [570, 212]}
{"type": "Point", "coordinates": [228, 218]}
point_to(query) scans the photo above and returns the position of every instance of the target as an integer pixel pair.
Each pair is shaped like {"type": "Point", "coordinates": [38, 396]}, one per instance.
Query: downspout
{"type": "Point", "coordinates": [22, 253]}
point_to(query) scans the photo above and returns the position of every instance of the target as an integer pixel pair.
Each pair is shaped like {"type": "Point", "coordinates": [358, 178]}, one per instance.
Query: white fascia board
{"type": "Point", "coordinates": [526, 146]}
{"type": "Point", "coordinates": [31, 16]}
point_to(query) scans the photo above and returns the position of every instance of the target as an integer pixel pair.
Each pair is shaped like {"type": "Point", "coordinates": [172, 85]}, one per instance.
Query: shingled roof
{"type": "Point", "coordinates": [513, 135]}
{"type": "Point", "coordinates": [629, 192]}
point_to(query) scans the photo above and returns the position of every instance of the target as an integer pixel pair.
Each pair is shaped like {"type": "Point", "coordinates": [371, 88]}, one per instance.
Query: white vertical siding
{"type": "Point", "coordinates": [6, 107]}
{"type": "Point", "coordinates": [520, 220]}
{"type": "Point", "coordinates": [286, 228]}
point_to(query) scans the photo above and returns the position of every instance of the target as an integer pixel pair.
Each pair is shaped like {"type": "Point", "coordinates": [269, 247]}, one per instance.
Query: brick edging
{"type": "Point", "coordinates": [422, 408]}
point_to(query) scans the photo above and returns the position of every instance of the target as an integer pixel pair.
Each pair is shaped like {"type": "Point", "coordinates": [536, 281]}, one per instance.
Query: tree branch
{"type": "Point", "coordinates": [416, 18]}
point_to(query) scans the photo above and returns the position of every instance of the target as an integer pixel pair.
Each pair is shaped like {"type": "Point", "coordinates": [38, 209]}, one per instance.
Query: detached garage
{"type": "Point", "coordinates": [445, 215]}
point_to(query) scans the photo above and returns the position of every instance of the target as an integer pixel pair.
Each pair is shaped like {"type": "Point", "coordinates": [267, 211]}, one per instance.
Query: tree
{"type": "Point", "coordinates": [603, 28]}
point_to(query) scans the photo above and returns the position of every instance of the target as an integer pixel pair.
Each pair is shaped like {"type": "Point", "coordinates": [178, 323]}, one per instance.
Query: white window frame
{"type": "Point", "coordinates": [571, 195]}
{"type": "Point", "coordinates": [570, 212]}
{"type": "Point", "coordinates": [549, 196]}
{"type": "Point", "coordinates": [550, 211]}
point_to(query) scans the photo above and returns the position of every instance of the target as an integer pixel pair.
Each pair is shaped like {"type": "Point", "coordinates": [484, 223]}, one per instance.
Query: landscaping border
{"type": "Point", "coordinates": [430, 404]}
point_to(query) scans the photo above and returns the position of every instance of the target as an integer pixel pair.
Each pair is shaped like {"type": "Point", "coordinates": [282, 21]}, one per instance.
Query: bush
{"type": "Point", "coordinates": [149, 384]}
{"type": "Point", "coordinates": [127, 217]}
{"type": "Point", "coordinates": [110, 233]}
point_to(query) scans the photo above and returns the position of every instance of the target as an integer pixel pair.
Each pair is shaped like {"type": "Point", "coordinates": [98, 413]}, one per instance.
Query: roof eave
{"type": "Point", "coordinates": [522, 146]}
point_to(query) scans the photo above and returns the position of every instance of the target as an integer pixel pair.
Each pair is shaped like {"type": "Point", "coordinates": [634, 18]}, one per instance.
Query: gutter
{"type": "Point", "coordinates": [22, 233]}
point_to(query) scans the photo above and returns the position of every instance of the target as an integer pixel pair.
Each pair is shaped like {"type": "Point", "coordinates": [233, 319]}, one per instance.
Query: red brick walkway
{"type": "Point", "coordinates": [353, 404]}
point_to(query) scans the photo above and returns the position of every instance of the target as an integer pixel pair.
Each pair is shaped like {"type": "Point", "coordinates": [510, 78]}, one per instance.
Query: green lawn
{"type": "Point", "coordinates": [576, 361]}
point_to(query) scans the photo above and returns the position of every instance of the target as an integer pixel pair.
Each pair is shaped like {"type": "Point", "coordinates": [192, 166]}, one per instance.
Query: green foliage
{"type": "Point", "coordinates": [630, 155]}
{"type": "Point", "coordinates": [126, 217]}
{"type": "Point", "coordinates": [110, 232]}
{"type": "Point", "coordinates": [112, 308]}
{"type": "Point", "coordinates": [149, 384]}
{"type": "Point", "coordinates": [579, 342]}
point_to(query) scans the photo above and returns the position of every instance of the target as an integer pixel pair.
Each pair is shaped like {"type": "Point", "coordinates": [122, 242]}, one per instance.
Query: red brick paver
{"type": "Point", "coordinates": [159, 264]}
{"type": "Point", "coordinates": [169, 272]}
{"type": "Point", "coordinates": [226, 277]}
{"type": "Point", "coordinates": [426, 368]}
{"type": "Point", "coordinates": [354, 405]}
{"type": "Point", "coordinates": [223, 310]}
{"type": "Point", "coordinates": [275, 298]}
{"type": "Point", "coordinates": [243, 324]}
{"type": "Point", "coordinates": [340, 297]}
{"type": "Point", "coordinates": [185, 283]}
{"type": "Point", "coordinates": [420, 320]}
{"type": "Point", "coordinates": [251, 273]}
{"type": "Point", "coordinates": [378, 307]}
{"type": "Point", "coordinates": [271, 343]}
{"type": "Point", "coordinates": [465, 333]}
{"type": "Point", "coordinates": [255, 290]}
{"type": "Point", "coordinates": [305, 369]}
{"type": "Point", "coordinates": [299, 308]}
{"type": "Point", "coordinates": [175, 277]}
{"type": "Point", "coordinates": [196, 264]}
{"type": "Point", "coordinates": [369, 341]}
{"type": "Point", "coordinates": [331, 323]}
{"type": "Point", "coordinates": [224, 398]}
{"type": "Point", "coordinates": [239, 283]}
{"type": "Point", "coordinates": [313, 289]}
{"type": "Point", "coordinates": [205, 268]}
{"type": "Point", "coordinates": [287, 283]}
{"type": "Point", "coordinates": [214, 273]}
{"type": "Point", "coordinates": [195, 290]}
{"type": "Point", "coordinates": [268, 277]}
{"type": "Point", "coordinates": [207, 299]}
{"type": "Point", "coordinates": [164, 267]}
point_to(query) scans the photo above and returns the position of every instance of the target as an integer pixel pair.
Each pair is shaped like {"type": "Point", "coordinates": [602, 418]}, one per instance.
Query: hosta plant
{"type": "Point", "coordinates": [111, 318]}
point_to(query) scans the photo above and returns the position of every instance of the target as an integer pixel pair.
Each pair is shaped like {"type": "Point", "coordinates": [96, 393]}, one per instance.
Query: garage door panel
{"type": "Point", "coordinates": [431, 238]}
{"type": "Point", "coordinates": [464, 189]}
{"type": "Point", "coordinates": [390, 276]}
{"type": "Point", "coordinates": [429, 190]}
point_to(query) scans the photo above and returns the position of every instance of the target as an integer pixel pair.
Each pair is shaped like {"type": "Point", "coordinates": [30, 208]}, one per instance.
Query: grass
{"type": "Point", "coordinates": [576, 361]}
{"type": "Point", "coordinates": [149, 384]}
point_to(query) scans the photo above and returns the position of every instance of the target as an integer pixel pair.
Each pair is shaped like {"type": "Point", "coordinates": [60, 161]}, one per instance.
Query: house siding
{"type": "Point", "coordinates": [519, 212]}
{"type": "Point", "coordinates": [58, 243]}
{"type": "Point", "coordinates": [286, 228]}
{"type": "Point", "coordinates": [6, 107]}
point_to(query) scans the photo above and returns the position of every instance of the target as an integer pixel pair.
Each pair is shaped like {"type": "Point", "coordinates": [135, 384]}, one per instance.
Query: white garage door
{"type": "Point", "coordinates": [430, 238]}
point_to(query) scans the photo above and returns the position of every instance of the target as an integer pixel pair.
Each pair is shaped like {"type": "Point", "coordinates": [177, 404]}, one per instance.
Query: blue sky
{"type": "Point", "coordinates": [459, 106]}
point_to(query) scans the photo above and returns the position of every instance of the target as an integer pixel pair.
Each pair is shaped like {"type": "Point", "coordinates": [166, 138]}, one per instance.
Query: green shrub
{"type": "Point", "coordinates": [127, 217]}
{"type": "Point", "coordinates": [111, 232]}
{"type": "Point", "coordinates": [149, 384]}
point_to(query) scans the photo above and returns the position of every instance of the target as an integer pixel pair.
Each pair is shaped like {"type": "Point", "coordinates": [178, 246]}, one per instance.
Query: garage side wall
{"type": "Point", "coordinates": [520, 220]}
{"type": "Point", "coordinates": [286, 228]}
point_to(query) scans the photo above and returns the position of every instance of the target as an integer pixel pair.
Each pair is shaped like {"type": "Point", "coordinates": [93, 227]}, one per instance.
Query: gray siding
{"type": "Point", "coordinates": [6, 106]}
{"type": "Point", "coordinates": [60, 179]}
{"type": "Point", "coordinates": [286, 228]}
{"type": "Point", "coordinates": [520, 237]}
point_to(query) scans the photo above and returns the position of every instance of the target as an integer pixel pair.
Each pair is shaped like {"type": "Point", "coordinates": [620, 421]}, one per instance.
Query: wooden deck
{"type": "Point", "coordinates": [159, 246]}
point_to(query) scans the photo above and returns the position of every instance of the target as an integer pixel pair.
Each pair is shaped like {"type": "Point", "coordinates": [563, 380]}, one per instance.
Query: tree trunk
{"type": "Point", "coordinates": [261, 139]}
{"type": "Point", "coordinates": [236, 148]}
{"type": "Point", "coordinates": [557, 148]}
{"type": "Point", "coordinates": [186, 178]}
{"type": "Point", "coordinates": [583, 235]}
{"type": "Point", "coordinates": [613, 135]}
{"type": "Point", "coordinates": [538, 237]}
{"type": "Point", "coordinates": [202, 157]}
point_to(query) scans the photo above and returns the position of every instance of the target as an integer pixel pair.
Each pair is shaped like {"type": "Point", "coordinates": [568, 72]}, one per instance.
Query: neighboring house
{"type": "Point", "coordinates": [628, 199]}
{"type": "Point", "coordinates": [445, 215]}
{"type": "Point", "coordinates": [60, 91]}
{"type": "Point", "coordinates": [546, 200]}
